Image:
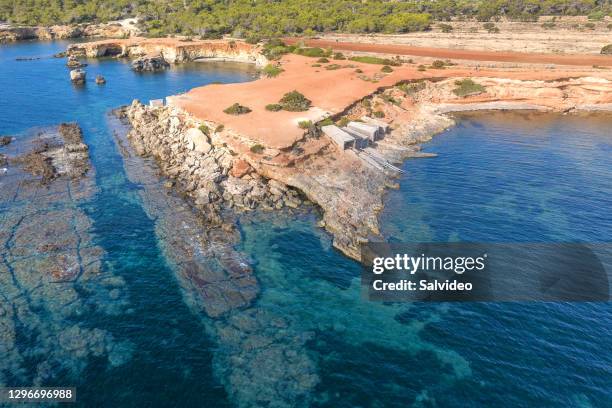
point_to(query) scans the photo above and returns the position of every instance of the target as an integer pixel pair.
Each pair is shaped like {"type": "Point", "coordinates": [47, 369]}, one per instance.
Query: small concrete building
{"type": "Point", "coordinates": [361, 142]}
{"type": "Point", "coordinates": [339, 136]}
{"type": "Point", "coordinates": [371, 132]}
{"type": "Point", "coordinates": [156, 103]}
{"type": "Point", "coordinates": [382, 125]}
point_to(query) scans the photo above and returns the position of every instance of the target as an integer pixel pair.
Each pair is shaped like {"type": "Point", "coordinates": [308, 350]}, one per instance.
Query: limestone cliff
{"type": "Point", "coordinates": [58, 32]}
{"type": "Point", "coordinates": [171, 49]}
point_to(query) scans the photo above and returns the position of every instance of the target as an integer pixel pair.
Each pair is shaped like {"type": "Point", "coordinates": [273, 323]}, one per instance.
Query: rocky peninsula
{"type": "Point", "coordinates": [273, 159]}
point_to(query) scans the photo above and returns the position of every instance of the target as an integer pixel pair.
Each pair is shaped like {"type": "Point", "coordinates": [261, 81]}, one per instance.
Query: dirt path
{"type": "Point", "coordinates": [444, 53]}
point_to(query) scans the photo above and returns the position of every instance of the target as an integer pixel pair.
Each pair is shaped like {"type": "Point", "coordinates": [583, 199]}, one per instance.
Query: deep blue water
{"type": "Point", "coordinates": [502, 177]}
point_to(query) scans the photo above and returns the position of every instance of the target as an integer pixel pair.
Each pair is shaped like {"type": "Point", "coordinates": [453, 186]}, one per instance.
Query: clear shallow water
{"type": "Point", "coordinates": [500, 178]}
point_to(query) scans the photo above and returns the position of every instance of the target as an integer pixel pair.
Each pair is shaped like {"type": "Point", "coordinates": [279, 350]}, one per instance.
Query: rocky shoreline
{"type": "Point", "coordinates": [257, 350]}
{"type": "Point", "coordinates": [215, 169]}
{"type": "Point", "coordinates": [61, 32]}
{"type": "Point", "coordinates": [209, 174]}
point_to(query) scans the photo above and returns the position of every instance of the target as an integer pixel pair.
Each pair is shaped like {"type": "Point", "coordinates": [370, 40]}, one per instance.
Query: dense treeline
{"type": "Point", "coordinates": [244, 18]}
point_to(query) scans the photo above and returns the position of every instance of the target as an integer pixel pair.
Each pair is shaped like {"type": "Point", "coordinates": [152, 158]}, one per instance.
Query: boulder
{"type": "Point", "coordinates": [4, 140]}
{"type": "Point", "coordinates": [73, 62]}
{"type": "Point", "coordinates": [241, 168]}
{"type": "Point", "coordinates": [100, 80]}
{"type": "Point", "coordinates": [77, 76]}
{"type": "Point", "coordinates": [197, 141]}
{"type": "Point", "coordinates": [150, 63]}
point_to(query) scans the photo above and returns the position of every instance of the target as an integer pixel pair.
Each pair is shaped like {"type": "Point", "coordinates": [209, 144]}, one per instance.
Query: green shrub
{"type": "Point", "coordinates": [305, 124]}
{"type": "Point", "coordinates": [375, 60]}
{"type": "Point", "coordinates": [343, 122]}
{"type": "Point", "coordinates": [421, 68]}
{"type": "Point", "coordinates": [339, 56]}
{"type": "Point", "coordinates": [359, 71]}
{"type": "Point", "coordinates": [322, 60]}
{"type": "Point", "coordinates": [609, 26]}
{"type": "Point", "coordinates": [607, 50]}
{"type": "Point", "coordinates": [445, 28]}
{"type": "Point", "coordinates": [272, 70]}
{"type": "Point", "coordinates": [332, 67]}
{"type": "Point", "coordinates": [548, 25]}
{"type": "Point", "coordinates": [467, 87]}
{"type": "Point", "coordinates": [326, 122]}
{"type": "Point", "coordinates": [236, 109]}
{"type": "Point", "coordinates": [490, 27]}
{"type": "Point", "coordinates": [274, 107]}
{"type": "Point", "coordinates": [314, 52]}
{"type": "Point", "coordinates": [597, 15]}
{"type": "Point", "coordinates": [378, 114]}
{"type": "Point", "coordinates": [315, 65]}
{"type": "Point", "coordinates": [275, 48]}
{"type": "Point", "coordinates": [219, 128]}
{"type": "Point", "coordinates": [295, 102]}
{"type": "Point", "coordinates": [412, 88]}
{"type": "Point", "coordinates": [253, 39]}
{"type": "Point", "coordinates": [204, 129]}
{"type": "Point", "coordinates": [589, 26]}
{"type": "Point", "coordinates": [386, 69]}
{"type": "Point", "coordinates": [257, 148]}
{"type": "Point", "coordinates": [366, 103]}
{"type": "Point", "coordinates": [438, 64]}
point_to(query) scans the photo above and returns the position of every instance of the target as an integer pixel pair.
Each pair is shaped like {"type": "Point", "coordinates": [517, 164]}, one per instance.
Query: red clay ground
{"type": "Point", "coordinates": [443, 53]}
{"type": "Point", "coordinates": [331, 91]}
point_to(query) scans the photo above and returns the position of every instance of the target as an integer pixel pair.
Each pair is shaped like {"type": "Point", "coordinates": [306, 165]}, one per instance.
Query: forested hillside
{"type": "Point", "coordinates": [244, 18]}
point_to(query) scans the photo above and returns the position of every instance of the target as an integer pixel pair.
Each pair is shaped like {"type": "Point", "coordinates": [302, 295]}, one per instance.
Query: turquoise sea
{"type": "Point", "coordinates": [499, 177]}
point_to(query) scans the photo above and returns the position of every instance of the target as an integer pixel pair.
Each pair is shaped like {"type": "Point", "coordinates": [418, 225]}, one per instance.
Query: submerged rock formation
{"type": "Point", "coordinates": [260, 356]}
{"type": "Point", "coordinates": [50, 159]}
{"type": "Point", "coordinates": [51, 271]}
{"type": "Point", "coordinates": [150, 63]}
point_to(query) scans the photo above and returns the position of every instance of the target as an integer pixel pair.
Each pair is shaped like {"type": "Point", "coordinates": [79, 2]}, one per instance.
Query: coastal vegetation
{"type": "Point", "coordinates": [274, 107]}
{"type": "Point", "coordinates": [467, 87]}
{"type": "Point", "coordinates": [237, 109]}
{"type": "Point", "coordinates": [256, 20]}
{"type": "Point", "coordinates": [295, 102]}
{"type": "Point", "coordinates": [257, 148]}
{"type": "Point", "coordinates": [305, 124]}
{"type": "Point", "coordinates": [375, 60]}
{"type": "Point", "coordinates": [272, 70]}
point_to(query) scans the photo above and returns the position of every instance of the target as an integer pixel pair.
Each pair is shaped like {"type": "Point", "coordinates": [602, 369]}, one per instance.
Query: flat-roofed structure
{"type": "Point", "coordinates": [384, 127]}
{"type": "Point", "coordinates": [371, 132]}
{"type": "Point", "coordinates": [361, 142]}
{"type": "Point", "coordinates": [339, 136]}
